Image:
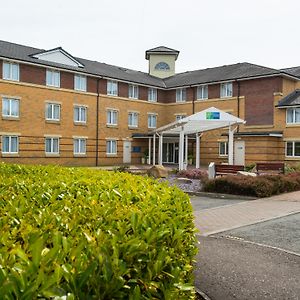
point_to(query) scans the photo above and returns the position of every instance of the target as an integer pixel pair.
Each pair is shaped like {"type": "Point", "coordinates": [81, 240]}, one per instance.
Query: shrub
{"type": "Point", "coordinates": [260, 186]}
{"type": "Point", "coordinates": [86, 234]}
{"type": "Point", "coordinates": [193, 174]}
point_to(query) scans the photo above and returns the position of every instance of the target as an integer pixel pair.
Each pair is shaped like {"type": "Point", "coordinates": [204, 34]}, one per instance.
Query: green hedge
{"type": "Point", "coordinates": [260, 186]}
{"type": "Point", "coordinates": [89, 234]}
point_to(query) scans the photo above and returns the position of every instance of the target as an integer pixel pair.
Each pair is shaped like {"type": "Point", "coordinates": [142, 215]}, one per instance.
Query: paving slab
{"type": "Point", "coordinates": [219, 219]}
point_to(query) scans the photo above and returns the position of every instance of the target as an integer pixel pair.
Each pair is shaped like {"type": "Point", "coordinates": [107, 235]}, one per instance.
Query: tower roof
{"type": "Point", "coordinates": [162, 50]}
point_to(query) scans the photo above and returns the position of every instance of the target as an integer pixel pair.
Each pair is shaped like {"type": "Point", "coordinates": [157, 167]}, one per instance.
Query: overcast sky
{"type": "Point", "coordinates": [207, 33]}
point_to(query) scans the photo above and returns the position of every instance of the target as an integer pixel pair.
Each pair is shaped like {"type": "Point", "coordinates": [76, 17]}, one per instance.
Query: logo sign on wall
{"type": "Point", "coordinates": [212, 115]}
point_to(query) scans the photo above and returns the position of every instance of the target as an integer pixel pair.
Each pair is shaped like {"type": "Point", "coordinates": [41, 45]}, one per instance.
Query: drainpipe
{"type": "Point", "coordinates": [97, 123]}
{"type": "Point", "coordinates": [238, 102]}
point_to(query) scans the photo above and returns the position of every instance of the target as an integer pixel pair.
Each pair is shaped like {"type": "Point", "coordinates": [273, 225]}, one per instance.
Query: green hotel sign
{"type": "Point", "coordinates": [212, 115]}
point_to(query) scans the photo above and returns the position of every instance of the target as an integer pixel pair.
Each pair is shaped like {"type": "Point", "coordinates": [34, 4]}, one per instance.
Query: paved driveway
{"type": "Point", "coordinates": [249, 249]}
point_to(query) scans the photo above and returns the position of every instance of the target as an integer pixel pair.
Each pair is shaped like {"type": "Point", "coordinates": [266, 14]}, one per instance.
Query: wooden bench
{"type": "Point", "coordinates": [269, 168]}
{"type": "Point", "coordinates": [221, 170]}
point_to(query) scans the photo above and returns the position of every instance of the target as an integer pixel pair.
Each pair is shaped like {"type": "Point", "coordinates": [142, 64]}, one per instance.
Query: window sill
{"type": "Point", "coordinates": [133, 127]}
{"type": "Point", "coordinates": [10, 118]}
{"type": "Point", "coordinates": [293, 125]}
{"type": "Point", "coordinates": [52, 121]}
{"type": "Point", "coordinates": [111, 95]}
{"type": "Point", "coordinates": [153, 101]}
{"type": "Point", "coordinates": [77, 123]}
{"type": "Point", "coordinates": [201, 99]}
{"type": "Point", "coordinates": [292, 158]}
{"type": "Point", "coordinates": [79, 155]}
{"type": "Point", "coordinates": [223, 155]}
{"type": "Point", "coordinates": [10, 155]}
{"type": "Point", "coordinates": [53, 86]}
{"type": "Point", "coordinates": [112, 125]}
{"type": "Point", "coordinates": [10, 79]}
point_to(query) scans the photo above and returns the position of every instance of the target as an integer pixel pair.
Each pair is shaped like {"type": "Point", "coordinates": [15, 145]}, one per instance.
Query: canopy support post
{"type": "Point", "coordinates": [230, 145]}
{"type": "Point", "coordinates": [160, 149]}
{"type": "Point", "coordinates": [197, 150]}
{"type": "Point", "coordinates": [149, 151]}
{"type": "Point", "coordinates": [186, 152]}
{"type": "Point", "coordinates": [153, 150]}
{"type": "Point", "coordinates": [181, 149]}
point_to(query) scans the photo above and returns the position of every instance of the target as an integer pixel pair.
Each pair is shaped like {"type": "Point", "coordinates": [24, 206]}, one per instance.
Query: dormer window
{"type": "Point", "coordinates": [52, 78]}
{"type": "Point", "coordinates": [162, 66]}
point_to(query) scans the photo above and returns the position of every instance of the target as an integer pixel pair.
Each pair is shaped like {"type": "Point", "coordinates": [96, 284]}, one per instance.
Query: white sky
{"type": "Point", "coordinates": [207, 33]}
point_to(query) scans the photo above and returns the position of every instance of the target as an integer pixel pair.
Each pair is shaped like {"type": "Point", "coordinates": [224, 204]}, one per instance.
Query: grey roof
{"type": "Point", "coordinates": [23, 53]}
{"type": "Point", "coordinates": [161, 50]}
{"type": "Point", "coordinates": [295, 71]}
{"type": "Point", "coordinates": [290, 100]}
{"type": "Point", "coordinates": [217, 74]}
{"type": "Point", "coordinates": [210, 75]}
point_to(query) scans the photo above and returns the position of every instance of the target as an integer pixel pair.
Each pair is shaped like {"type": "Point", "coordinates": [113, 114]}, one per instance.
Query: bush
{"type": "Point", "coordinates": [193, 174]}
{"type": "Point", "coordinates": [260, 186]}
{"type": "Point", "coordinates": [85, 234]}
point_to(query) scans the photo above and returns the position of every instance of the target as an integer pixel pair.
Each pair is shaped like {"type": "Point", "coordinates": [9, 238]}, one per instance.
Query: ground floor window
{"type": "Point", "coordinates": [293, 149]}
{"type": "Point", "coordinates": [52, 145]}
{"type": "Point", "coordinates": [223, 148]}
{"type": "Point", "coordinates": [111, 147]}
{"type": "Point", "coordinates": [79, 146]}
{"type": "Point", "coordinates": [152, 120]}
{"type": "Point", "coordinates": [133, 119]}
{"type": "Point", "coordinates": [10, 144]}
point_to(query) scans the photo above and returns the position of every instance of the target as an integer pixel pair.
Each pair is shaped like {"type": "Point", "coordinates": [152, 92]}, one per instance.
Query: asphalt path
{"type": "Point", "coordinates": [259, 261]}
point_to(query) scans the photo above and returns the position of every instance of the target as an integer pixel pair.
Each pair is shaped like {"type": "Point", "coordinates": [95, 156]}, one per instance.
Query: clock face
{"type": "Point", "coordinates": [162, 66]}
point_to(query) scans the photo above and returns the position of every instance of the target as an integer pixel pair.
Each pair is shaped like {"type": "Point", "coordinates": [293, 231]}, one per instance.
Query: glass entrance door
{"type": "Point", "coordinates": [170, 153]}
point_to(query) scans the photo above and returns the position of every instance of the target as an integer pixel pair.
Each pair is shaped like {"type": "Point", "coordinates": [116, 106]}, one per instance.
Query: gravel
{"type": "Point", "coordinates": [194, 186]}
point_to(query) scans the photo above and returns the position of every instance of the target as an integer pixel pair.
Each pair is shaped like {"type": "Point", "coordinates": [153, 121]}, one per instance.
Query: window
{"type": "Point", "coordinates": [80, 83]}
{"type": "Point", "coordinates": [52, 145]}
{"type": "Point", "coordinates": [293, 149]}
{"type": "Point", "coordinates": [162, 66]}
{"type": "Point", "coordinates": [152, 94]}
{"type": "Point", "coordinates": [79, 146]}
{"type": "Point", "coordinates": [52, 111]}
{"type": "Point", "coordinates": [11, 71]}
{"type": "Point", "coordinates": [223, 148]}
{"type": "Point", "coordinates": [10, 144]}
{"type": "Point", "coordinates": [179, 117]}
{"type": "Point", "coordinates": [10, 107]}
{"type": "Point", "coordinates": [53, 78]}
{"type": "Point", "coordinates": [202, 92]}
{"type": "Point", "coordinates": [226, 90]}
{"type": "Point", "coordinates": [112, 88]}
{"type": "Point", "coordinates": [112, 117]}
{"type": "Point", "coordinates": [293, 115]}
{"type": "Point", "coordinates": [133, 119]}
{"type": "Point", "coordinates": [133, 91]}
{"type": "Point", "coordinates": [111, 147]}
{"type": "Point", "coordinates": [152, 118]}
{"type": "Point", "coordinates": [80, 113]}
{"type": "Point", "coordinates": [180, 95]}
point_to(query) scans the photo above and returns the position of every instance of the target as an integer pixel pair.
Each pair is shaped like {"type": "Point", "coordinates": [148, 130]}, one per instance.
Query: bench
{"type": "Point", "coordinates": [221, 170]}
{"type": "Point", "coordinates": [269, 168]}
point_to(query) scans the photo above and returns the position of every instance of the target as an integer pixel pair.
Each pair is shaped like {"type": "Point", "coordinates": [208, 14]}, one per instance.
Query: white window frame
{"type": "Point", "coordinates": [133, 91]}
{"type": "Point", "coordinates": [152, 94]}
{"type": "Point", "coordinates": [80, 82]}
{"type": "Point", "coordinates": [11, 66]}
{"type": "Point", "coordinates": [151, 118]}
{"type": "Point", "coordinates": [181, 95]}
{"type": "Point", "coordinates": [293, 149]}
{"type": "Point", "coordinates": [225, 148]}
{"type": "Point", "coordinates": [80, 144]}
{"type": "Point", "coordinates": [111, 144]}
{"type": "Point", "coordinates": [112, 88]}
{"type": "Point", "coordinates": [134, 117]}
{"type": "Point", "coordinates": [226, 90]}
{"type": "Point", "coordinates": [52, 106]}
{"type": "Point", "coordinates": [202, 92]}
{"type": "Point", "coordinates": [10, 150]}
{"type": "Point", "coordinates": [10, 104]}
{"type": "Point", "coordinates": [80, 109]}
{"type": "Point", "coordinates": [52, 78]}
{"type": "Point", "coordinates": [293, 109]}
{"type": "Point", "coordinates": [112, 116]}
{"type": "Point", "coordinates": [52, 148]}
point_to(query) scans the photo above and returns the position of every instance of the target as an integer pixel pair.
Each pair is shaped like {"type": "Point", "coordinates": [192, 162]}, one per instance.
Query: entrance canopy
{"type": "Point", "coordinates": [208, 119]}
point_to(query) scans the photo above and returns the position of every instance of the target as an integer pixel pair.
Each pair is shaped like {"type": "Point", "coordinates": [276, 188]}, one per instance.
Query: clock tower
{"type": "Point", "coordinates": [162, 61]}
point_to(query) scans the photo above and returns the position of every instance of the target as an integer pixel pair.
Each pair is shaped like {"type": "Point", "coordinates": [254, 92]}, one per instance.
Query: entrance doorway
{"type": "Point", "coordinates": [170, 153]}
{"type": "Point", "coordinates": [126, 152]}
{"type": "Point", "coordinates": [239, 153]}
